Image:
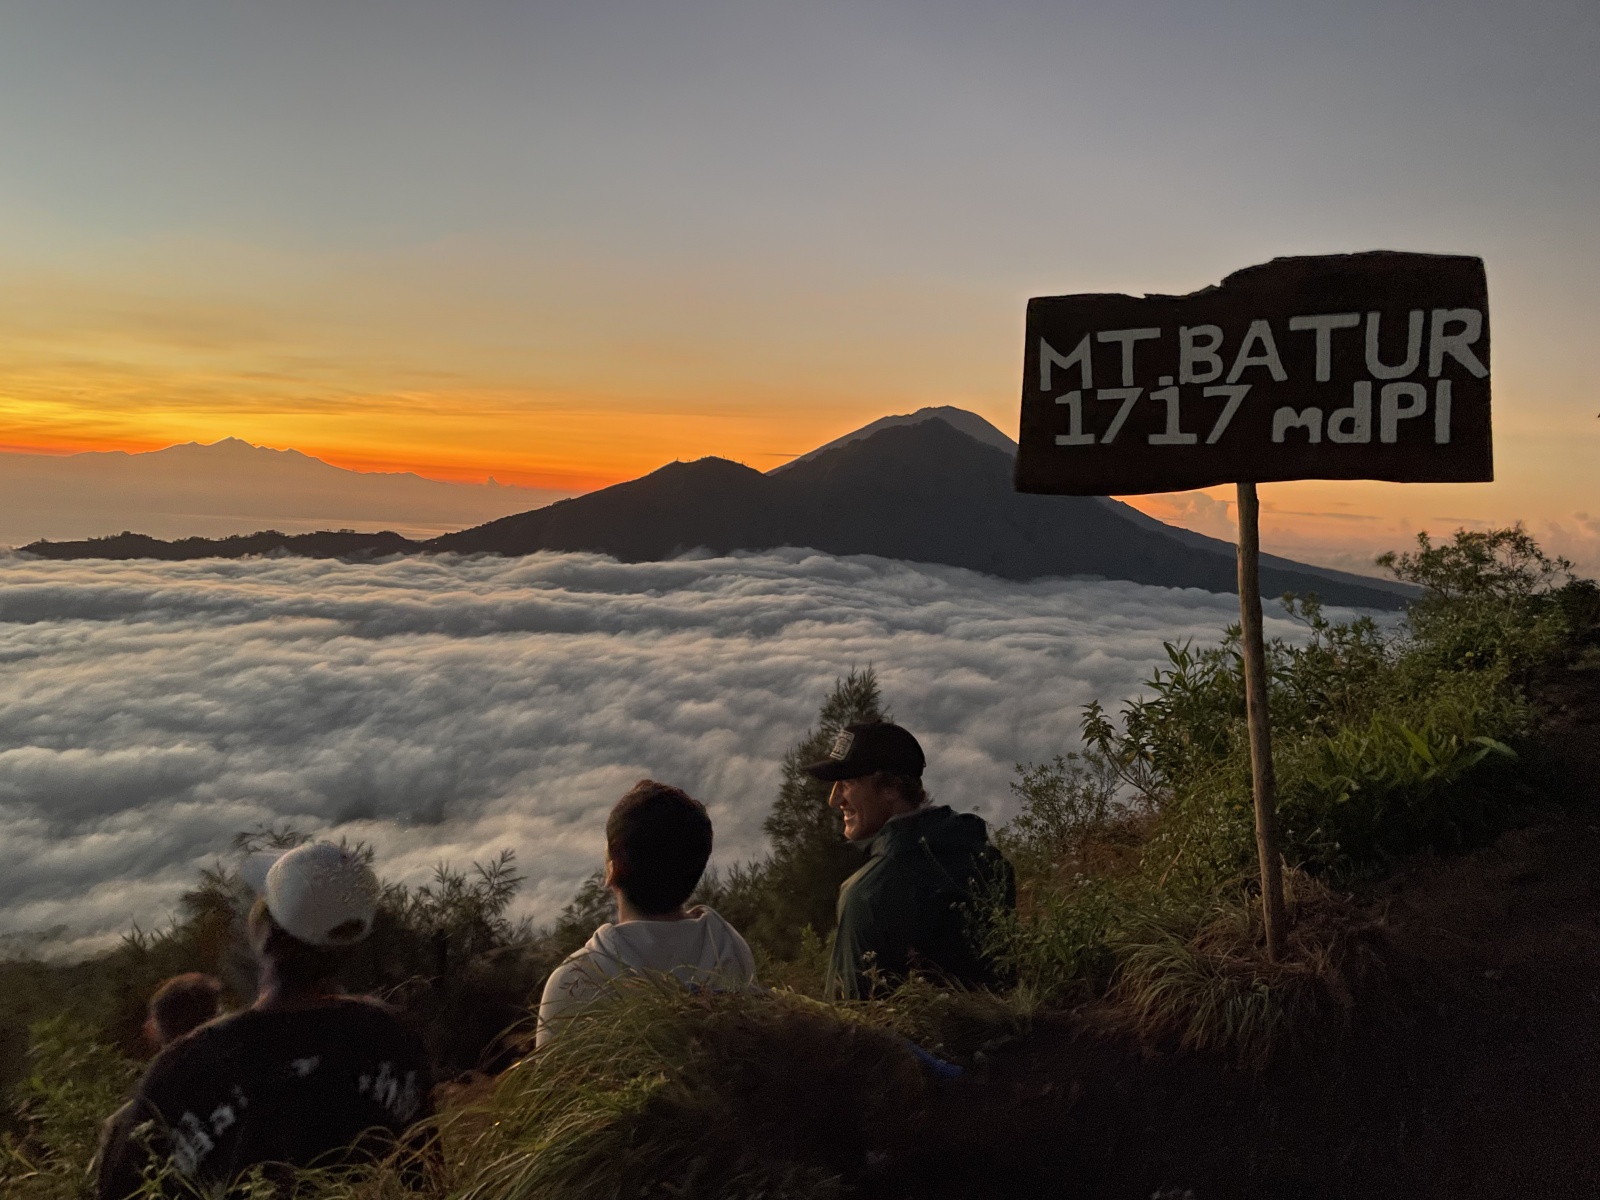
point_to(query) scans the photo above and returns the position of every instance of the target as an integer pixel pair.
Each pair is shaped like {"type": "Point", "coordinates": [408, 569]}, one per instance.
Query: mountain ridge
{"type": "Point", "coordinates": [922, 491]}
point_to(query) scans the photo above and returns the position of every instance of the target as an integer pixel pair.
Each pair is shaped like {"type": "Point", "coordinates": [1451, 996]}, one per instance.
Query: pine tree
{"type": "Point", "coordinates": [810, 858]}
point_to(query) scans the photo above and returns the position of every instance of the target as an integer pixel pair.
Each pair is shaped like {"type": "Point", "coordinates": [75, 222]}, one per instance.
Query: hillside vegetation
{"type": "Point", "coordinates": [1139, 997]}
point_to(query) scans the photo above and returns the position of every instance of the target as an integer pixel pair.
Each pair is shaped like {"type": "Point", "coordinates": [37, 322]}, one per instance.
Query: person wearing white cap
{"type": "Point", "coordinates": [306, 1074]}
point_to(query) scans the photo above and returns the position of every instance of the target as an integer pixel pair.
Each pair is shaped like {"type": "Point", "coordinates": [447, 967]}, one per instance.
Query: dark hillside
{"type": "Point", "coordinates": [923, 493]}
{"type": "Point", "coordinates": [1472, 1071]}
{"type": "Point", "coordinates": [711, 503]}
{"type": "Point", "coordinates": [324, 544]}
{"type": "Point", "coordinates": [929, 493]}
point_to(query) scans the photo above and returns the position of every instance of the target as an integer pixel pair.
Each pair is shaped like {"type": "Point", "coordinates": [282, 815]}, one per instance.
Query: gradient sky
{"type": "Point", "coordinates": [563, 244]}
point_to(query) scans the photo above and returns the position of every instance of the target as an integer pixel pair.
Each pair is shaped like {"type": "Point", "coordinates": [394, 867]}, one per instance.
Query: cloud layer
{"type": "Point", "coordinates": [445, 708]}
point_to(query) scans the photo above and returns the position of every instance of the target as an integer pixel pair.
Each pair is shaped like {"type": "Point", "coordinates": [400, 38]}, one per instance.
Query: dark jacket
{"type": "Point", "coordinates": [337, 1082]}
{"type": "Point", "coordinates": [919, 904]}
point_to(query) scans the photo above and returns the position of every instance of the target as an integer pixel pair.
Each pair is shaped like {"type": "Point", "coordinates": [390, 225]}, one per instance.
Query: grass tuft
{"type": "Point", "coordinates": [1215, 989]}
{"type": "Point", "coordinates": [671, 1093]}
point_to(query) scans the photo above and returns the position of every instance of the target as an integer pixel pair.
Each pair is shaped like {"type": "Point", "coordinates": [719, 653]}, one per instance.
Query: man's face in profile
{"type": "Point", "coordinates": [866, 805]}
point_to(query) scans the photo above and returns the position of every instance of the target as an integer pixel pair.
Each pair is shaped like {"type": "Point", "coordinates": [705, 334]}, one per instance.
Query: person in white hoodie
{"type": "Point", "coordinates": [658, 841]}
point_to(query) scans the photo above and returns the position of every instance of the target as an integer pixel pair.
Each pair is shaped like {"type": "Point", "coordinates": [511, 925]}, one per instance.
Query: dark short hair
{"type": "Point", "coordinates": [183, 1003]}
{"type": "Point", "coordinates": [297, 962]}
{"type": "Point", "coordinates": [659, 839]}
{"type": "Point", "coordinates": [908, 786]}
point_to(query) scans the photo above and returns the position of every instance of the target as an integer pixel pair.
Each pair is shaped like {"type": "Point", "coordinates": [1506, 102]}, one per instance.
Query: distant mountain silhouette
{"type": "Point", "coordinates": [231, 487]}
{"type": "Point", "coordinates": [327, 543]}
{"type": "Point", "coordinates": [974, 426]}
{"type": "Point", "coordinates": [969, 423]}
{"type": "Point", "coordinates": [921, 490]}
{"type": "Point", "coordinates": [924, 492]}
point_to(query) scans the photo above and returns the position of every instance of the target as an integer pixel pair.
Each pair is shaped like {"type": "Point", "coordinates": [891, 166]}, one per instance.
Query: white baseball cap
{"type": "Point", "coordinates": [322, 894]}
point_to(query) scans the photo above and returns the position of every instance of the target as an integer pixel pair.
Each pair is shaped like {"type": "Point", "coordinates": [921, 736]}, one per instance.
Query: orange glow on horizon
{"type": "Point", "coordinates": [574, 447]}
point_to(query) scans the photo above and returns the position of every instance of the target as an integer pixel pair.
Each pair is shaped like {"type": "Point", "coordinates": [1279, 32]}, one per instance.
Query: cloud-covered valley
{"type": "Point", "coordinates": [446, 708]}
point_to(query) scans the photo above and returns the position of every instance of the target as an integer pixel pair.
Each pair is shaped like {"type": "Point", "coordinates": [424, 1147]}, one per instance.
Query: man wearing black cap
{"type": "Point", "coordinates": [930, 872]}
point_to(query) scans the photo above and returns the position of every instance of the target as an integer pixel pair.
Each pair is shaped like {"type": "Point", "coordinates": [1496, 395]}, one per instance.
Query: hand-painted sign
{"type": "Point", "coordinates": [1359, 366]}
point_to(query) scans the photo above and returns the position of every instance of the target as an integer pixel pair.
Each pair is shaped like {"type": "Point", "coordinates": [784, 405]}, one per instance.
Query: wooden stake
{"type": "Point", "coordinates": [1255, 695]}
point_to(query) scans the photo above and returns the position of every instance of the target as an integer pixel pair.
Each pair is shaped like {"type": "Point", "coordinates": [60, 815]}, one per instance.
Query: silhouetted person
{"type": "Point", "coordinates": [181, 1005]}
{"type": "Point", "coordinates": [658, 841]}
{"type": "Point", "coordinates": [306, 1075]}
{"type": "Point", "coordinates": [919, 901]}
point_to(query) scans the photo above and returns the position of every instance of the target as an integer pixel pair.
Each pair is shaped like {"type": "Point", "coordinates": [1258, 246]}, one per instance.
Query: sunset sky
{"type": "Point", "coordinates": [563, 244]}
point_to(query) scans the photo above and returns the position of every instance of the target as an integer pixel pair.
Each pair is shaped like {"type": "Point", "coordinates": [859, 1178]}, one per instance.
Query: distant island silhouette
{"type": "Point", "coordinates": [231, 486]}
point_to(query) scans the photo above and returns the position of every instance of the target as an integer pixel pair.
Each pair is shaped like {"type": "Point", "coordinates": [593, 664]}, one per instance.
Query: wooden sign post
{"type": "Point", "coordinates": [1359, 366]}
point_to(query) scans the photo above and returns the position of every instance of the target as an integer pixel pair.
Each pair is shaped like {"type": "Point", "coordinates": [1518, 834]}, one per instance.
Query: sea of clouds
{"type": "Point", "coordinates": [445, 708]}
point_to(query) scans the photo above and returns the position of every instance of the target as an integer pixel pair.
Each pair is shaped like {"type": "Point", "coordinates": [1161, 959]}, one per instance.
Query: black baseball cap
{"type": "Point", "coordinates": [868, 748]}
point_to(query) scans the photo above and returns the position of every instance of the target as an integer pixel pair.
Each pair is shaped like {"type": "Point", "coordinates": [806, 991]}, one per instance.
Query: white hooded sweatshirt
{"type": "Point", "coordinates": [700, 950]}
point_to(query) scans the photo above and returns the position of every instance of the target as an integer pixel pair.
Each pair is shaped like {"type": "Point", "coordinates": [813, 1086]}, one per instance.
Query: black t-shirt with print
{"type": "Point", "coordinates": [299, 1086]}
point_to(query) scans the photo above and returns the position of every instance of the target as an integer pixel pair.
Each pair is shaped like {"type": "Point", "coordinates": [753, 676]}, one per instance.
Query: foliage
{"type": "Point", "coordinates": [1137, 860]}
{"type": "Point", "coordinates": [795, 888]}
{"type": "Point", "coordinates": [74, 1082]}
{"type": "Point", "coordinates": [1198, 980]}
{"type": "Point", "coordinates": [809, 857]}
{"type": "Point", "coordinates": [446, 950]}
{"type": "Point", "coordinates": [1489, 601]}
{"type": "Point", "coordinates": [591, 906]}
{"type": "Point", "coordinates": [674, 1093]}
{"type": "Point", "coordinates": [1066, 805]}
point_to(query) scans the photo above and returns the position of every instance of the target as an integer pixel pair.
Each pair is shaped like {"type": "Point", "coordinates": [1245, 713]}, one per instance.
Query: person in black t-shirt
{"type": "Point", "coordinates": [305, 1076]}
{"type": "Point", "coordinates": [179, 1006]}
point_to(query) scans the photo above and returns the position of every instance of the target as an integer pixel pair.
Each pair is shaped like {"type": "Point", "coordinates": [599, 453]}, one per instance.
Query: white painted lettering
{"type": "Point", "coordinates": [1353, 424]}
{"type": "Point", "coordinates": [1075, 436]}
{"type": "Point", "coordinates": [191, 1144]}
{"type": "Point", "coordinates": [1390, 414]}
{"type": "Point", "coordinates": [1375, 365]}
{"type": "Point", "coordinates": [1173, 436]}
{"type": "Point", "coordinates": [1455, 344]}
{"type": "Point", "coordinates": [1235, 395]}
{"type": "Point", "coordinates": [1260, 334]}
{"type": "Point", "coordinates": [1127, 337]}
{"type": "Point", "coordinates": [1309, 419]}
{"type": "Point", "coordinates": [1129, 397]}
{"type": "Point", "coordinates": [1323, 325]}
{"type": "Point", "coordinates": [1078, 358]}
{"type": "Point", "coordinates": [1197, 346]}
{"type": "Point", "coordinates": [1441, 413]}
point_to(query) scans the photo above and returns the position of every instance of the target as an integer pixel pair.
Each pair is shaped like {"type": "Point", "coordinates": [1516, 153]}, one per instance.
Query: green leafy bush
{"type": "Point", "coordinates": [1384, 741]}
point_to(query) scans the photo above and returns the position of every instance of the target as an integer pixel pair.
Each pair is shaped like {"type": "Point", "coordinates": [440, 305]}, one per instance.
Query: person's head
{"type": "Point", "coordinates": [876, 772]}
{"type": "Point", "coordinates": [314, 903]}
{"type": "Point", "coordinates": [181, 1004]}
{"type": "Point", "coordinates": [658, 841]}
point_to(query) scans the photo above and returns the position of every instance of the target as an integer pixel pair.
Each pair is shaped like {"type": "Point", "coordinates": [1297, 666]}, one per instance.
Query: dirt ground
{"type": "Point", "coordinates": [1475, 1074]}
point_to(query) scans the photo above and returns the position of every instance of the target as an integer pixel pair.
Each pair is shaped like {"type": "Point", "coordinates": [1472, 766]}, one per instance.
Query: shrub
{"type": "Point", "coordinates": [1489, 600]}
{"type": "Point", "coordinates": [1384, 742]}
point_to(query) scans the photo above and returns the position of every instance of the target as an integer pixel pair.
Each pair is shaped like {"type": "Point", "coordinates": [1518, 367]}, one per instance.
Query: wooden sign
{"type": "Point", "coordinates": [1355, 366]}
{"type": "Point", "coordinates": [1352, 366]}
